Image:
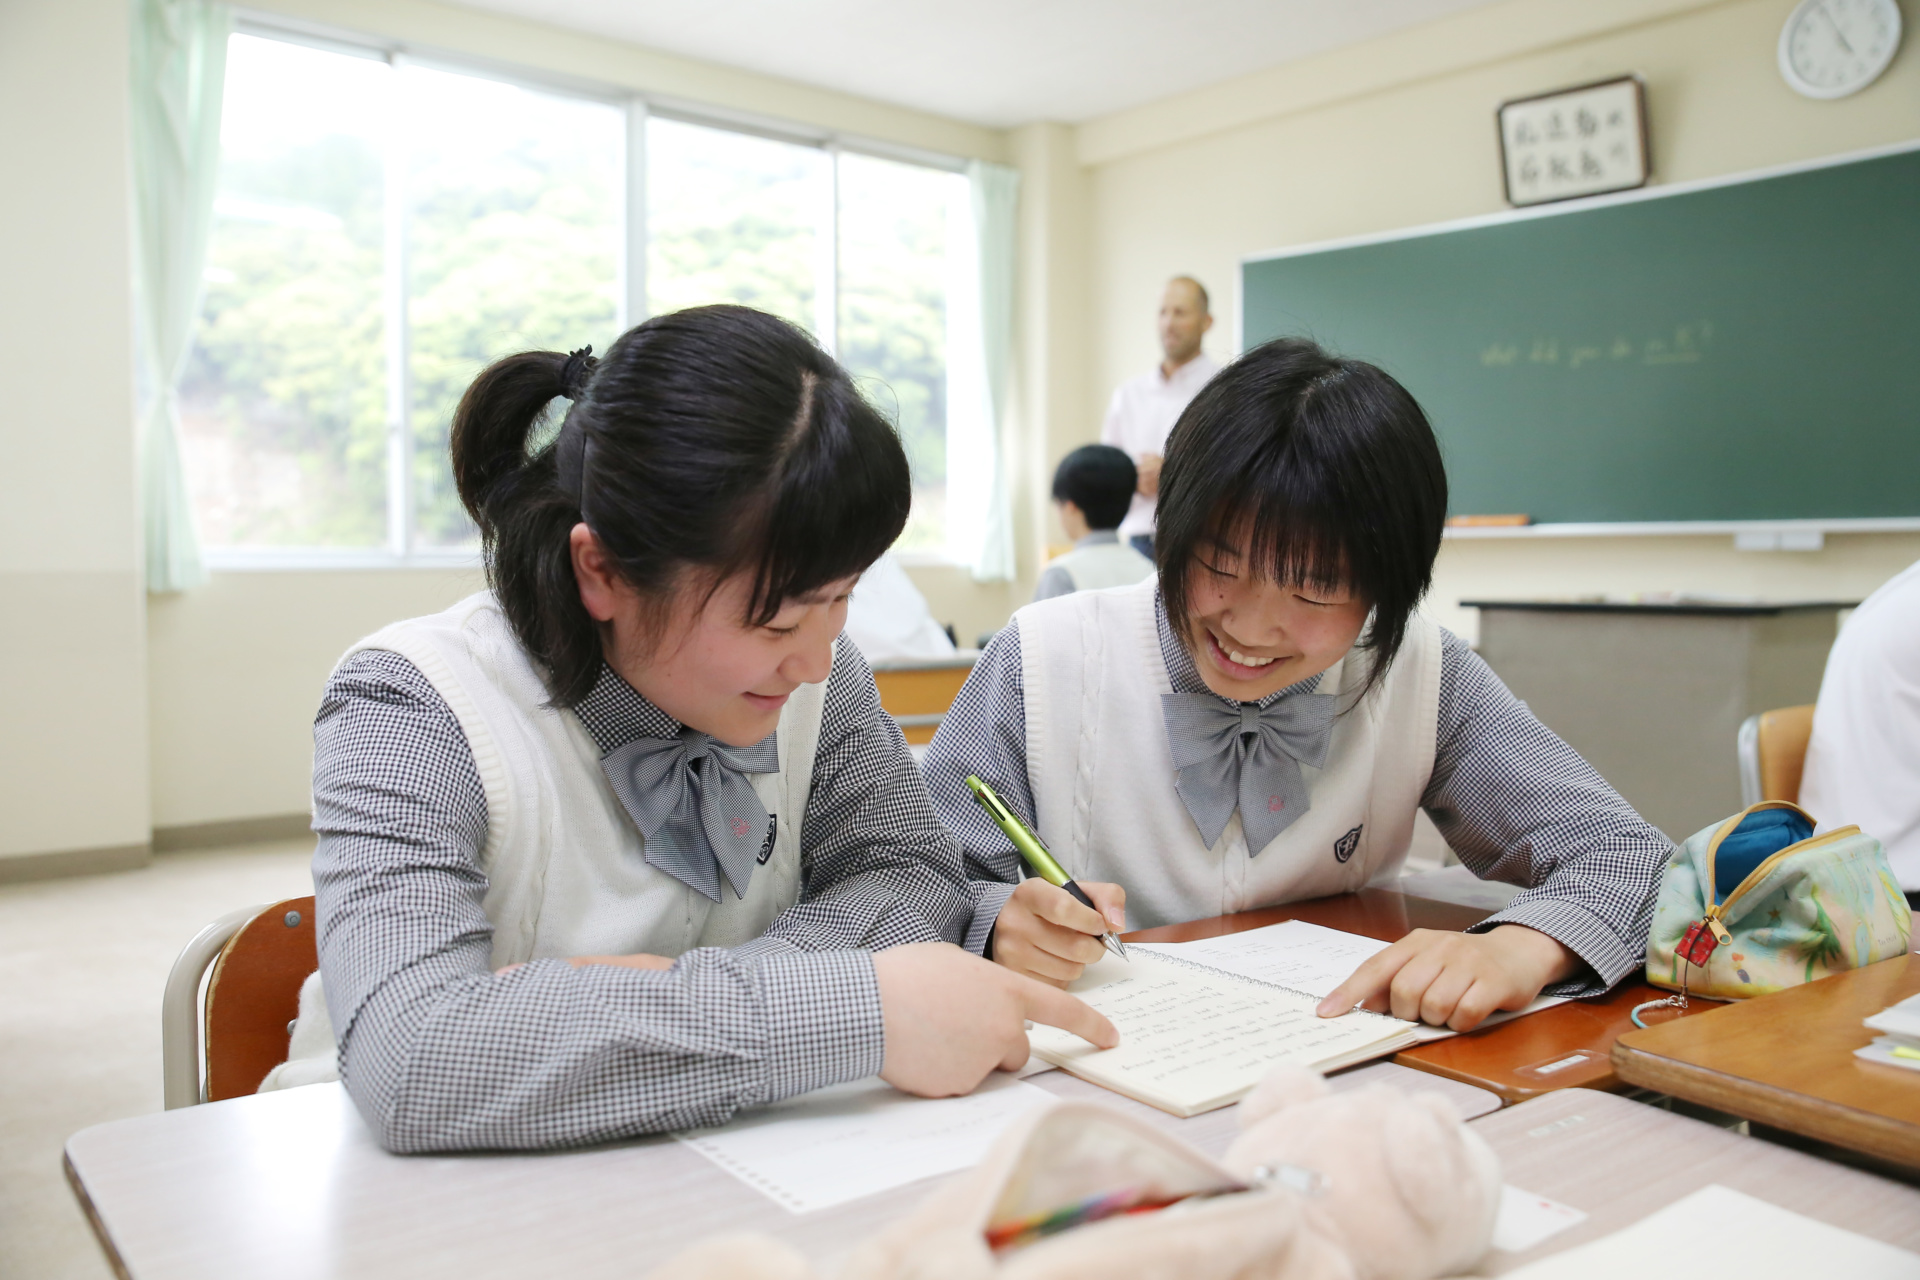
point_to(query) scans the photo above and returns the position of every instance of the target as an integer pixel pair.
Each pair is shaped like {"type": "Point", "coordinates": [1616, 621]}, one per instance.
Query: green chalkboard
{"type": "Point", "coordinates": [1740, 351]}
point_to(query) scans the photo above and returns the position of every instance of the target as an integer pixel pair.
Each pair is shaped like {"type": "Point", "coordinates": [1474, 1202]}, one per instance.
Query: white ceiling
{"type": "Point", "coordinates": [992, 62]}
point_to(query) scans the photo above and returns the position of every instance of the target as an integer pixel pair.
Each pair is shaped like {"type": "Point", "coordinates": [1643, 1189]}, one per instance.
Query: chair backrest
{"type": "Point", "coordinates": [259, 957]}
{"type": "Point", "coordinates": [1773, 753]}
{"type": "Point", "coordinates": [253, 996]}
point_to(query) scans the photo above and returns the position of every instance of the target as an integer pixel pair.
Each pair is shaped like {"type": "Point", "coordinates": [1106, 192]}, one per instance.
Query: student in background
{"type": "Point", "coordinates": [1261, 722]}
{"type": "Point", "coordinates": [1863, 761]}
{"type": "Point", "coordinates": [1092, 488]}
{"type": "Point", "coordinates": [610, 848]}
{"type": "Point", "coordinates": [889, 619]}
{"type": "Point", "coordinates": [1144, 409]}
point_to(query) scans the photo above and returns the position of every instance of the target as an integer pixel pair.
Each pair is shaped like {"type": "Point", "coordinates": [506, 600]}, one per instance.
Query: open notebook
{"type": "Point", "coordinates": [1193, 1038]}
{"type": "Point", "coordinates": [1304, 957]}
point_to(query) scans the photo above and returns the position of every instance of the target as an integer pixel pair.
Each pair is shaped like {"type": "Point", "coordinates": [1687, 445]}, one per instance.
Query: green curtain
{"type": "Point", "coordinates": [178, 72]}
{"type": "Point", "coordinates": [982, 483]}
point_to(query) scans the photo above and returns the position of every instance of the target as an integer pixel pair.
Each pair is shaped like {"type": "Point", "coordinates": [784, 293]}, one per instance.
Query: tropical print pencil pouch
{"type": "Point", "coordinates": [1758, 902]}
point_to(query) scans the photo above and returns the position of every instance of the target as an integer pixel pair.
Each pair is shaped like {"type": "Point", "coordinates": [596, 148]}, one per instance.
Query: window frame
{"type": "Point", "coordinates": [398, 552]}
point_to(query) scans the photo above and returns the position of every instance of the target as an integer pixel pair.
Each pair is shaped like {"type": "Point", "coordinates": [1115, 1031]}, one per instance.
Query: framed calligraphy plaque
{"type": "Point", "coordinates": [1575, 142]}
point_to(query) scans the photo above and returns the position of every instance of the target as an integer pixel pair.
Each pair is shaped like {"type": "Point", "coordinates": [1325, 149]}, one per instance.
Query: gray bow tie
{"type": "Point", "coordinates": [691, 800]}
{"type": "Point", "coordinates": [1247, 757]}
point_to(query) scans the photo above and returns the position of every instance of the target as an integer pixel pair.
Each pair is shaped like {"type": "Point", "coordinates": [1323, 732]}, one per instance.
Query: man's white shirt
{"type": "Point", "coordinates": [1863, 763]}
{"type": "Point", "coordinates": [1141, 416]}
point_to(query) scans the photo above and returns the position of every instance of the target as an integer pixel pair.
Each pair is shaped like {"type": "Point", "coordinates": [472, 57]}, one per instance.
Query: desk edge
{"type": "Point", "coordinates": [1824, 1119]}
{"type": "Point", "coordinates": [100, 1232]}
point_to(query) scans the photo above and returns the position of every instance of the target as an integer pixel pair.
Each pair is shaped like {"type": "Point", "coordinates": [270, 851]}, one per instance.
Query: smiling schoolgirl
{"type": "Point", "coordinates": [645, 744]}
{"type": "Point", "coordinates": [1260, 723]}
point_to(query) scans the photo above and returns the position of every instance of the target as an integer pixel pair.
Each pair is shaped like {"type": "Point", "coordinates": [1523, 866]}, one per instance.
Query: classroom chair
{"type": "Point", "coordinates": [259, 956]}
{"type": "Point", "coordinates": [1773, 752]}
{"type": "Point", "coordinates": [917, 692]}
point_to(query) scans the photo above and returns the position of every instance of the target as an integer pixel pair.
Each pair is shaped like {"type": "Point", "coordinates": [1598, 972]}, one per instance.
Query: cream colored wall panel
{"type": "Point", "coordinates": [73, 712]}
{"type": "Point", "coordinates": [73, 706]}
{"type": "Point", "coordinates": [236, 672]}
{"type": "Point", "coordinates": [1457, 42]}
{"type": "Point", "coordinates": [66, 364]}
{"type": "Point", "coordinates": [428, 27]}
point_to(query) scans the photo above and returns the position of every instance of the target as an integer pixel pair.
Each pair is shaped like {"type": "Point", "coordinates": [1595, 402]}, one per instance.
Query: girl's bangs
{"type": "Point", "coordinates": [834, 510]}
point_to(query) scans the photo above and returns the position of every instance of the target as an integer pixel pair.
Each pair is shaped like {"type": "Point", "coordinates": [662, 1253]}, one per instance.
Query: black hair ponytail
{"type": "Point", "coordinates": [718, 437]}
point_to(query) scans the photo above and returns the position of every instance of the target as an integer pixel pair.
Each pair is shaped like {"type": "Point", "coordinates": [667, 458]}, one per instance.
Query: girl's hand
{"type": "Point", "coordinates": [1454, 979]}
{"type": "Point", "coordinates": [949, 1018]}
{"type": "Point", "coordinates": [1046, 933]}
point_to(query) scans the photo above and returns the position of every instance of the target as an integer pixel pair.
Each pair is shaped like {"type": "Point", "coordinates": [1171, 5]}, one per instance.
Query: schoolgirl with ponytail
{"type": "Point", "coordinates": [626, 842]}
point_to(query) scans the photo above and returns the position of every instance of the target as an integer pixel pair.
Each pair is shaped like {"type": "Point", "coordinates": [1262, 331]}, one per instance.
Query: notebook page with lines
{"type": "Point", "coordinates": [1194, 1038]}
{"type": "Point", "coordinates": [1306, 957]}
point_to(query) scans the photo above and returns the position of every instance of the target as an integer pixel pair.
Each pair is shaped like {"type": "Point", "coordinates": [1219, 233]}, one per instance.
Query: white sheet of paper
{"type": "Point", "coordinates": [1307, 957]}
{"type": "Point", "coordinates": [852, 1140]}
{"type": "Point", "coordinates": [1526, 1219]}
{"type": "Point", "coordinates": [1718, 1231]}
{"type": "Point", "coordinates": [1882, 1050]}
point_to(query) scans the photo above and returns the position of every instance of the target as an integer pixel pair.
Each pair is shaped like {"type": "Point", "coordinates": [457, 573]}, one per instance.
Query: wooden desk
{"type": "Point", "coordinates": [291, 1185]}
{"type": "Point", "coordinates": [1620, 1160]}
{"type": "Point", "coordinates": [1787, 1060]}
{"type": "Point", "coordinates": [917, 692]}
{"type": "Point", "coordinates": [1557, 1048]}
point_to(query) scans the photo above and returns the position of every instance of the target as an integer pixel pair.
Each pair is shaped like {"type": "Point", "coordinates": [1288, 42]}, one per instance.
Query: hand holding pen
{"type": "Point", "coordinates": [1043, 933]}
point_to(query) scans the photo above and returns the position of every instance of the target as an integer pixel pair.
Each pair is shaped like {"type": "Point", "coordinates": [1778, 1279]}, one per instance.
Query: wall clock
{"type": "Point", "coordinates": [1831, 48]}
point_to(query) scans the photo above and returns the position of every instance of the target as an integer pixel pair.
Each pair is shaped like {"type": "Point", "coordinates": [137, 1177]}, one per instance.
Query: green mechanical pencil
{"type": "Point", "coordinates": [1035, 852]}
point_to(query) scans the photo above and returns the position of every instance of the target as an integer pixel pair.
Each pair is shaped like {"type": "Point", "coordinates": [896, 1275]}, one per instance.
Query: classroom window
{"type": "Point", "coordinates": [383, 229]}
{"type": "Point", "coordinates": [897, 224]}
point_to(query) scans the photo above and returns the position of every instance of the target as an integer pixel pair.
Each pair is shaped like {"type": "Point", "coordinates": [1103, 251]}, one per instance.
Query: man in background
{"type": "Point", "coordinates": [1145, 408]}
{"type": "Point", "coordinates": [1863, 763]}
{"type": "Point", "coordinates": [1091, 490]}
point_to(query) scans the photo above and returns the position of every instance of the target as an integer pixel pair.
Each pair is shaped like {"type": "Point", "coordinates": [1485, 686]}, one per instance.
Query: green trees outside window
{"type": "Point", "coordinates": [384, 229]}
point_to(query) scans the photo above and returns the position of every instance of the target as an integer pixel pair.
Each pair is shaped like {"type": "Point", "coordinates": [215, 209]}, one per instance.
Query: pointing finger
{"type": "Point", "coordinates": [1368, 982]}
{"type": "Point", "coordinates": [1070, 1013]}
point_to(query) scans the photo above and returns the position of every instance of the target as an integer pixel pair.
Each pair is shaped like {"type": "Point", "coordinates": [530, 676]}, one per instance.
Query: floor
{"type": "Point", "coordinates": [83, 962]}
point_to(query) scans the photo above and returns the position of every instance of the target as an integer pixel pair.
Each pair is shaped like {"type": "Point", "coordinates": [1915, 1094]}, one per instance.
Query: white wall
{"type": "Point", "coordinates": [73, 708]}
{"type": "Point", "coordinates": [1399, 132]}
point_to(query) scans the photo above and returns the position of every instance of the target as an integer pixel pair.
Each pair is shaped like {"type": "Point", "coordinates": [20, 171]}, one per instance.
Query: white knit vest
{"type": "Point", "coordinates": [1103, 565]}
{"type": "Point", "coordinates": [1102, 773]}
{"type": "Point", "coordinates": [566, 868]}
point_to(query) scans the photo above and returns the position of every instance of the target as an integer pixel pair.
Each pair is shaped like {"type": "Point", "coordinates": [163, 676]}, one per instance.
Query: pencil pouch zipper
{"type": "Point", "coordinates": [1716, 911]}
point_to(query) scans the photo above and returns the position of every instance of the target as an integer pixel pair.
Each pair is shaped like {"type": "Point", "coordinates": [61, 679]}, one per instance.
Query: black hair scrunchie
{"type": "Point", "coordinates": [577, 372]}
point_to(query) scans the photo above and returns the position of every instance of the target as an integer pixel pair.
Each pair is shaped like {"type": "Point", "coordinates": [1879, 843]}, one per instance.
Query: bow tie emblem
{"type": "Point", "coordinates": [1243, 756]}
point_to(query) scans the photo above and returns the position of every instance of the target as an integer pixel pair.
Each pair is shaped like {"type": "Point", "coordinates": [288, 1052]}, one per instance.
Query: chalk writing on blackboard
{"type": "Point", "coordinates": [1683, 344]}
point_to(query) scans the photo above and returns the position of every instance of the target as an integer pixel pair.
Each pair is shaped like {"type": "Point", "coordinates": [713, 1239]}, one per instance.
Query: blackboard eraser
{"type": "Point", "coordinates": [1487, 522]}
